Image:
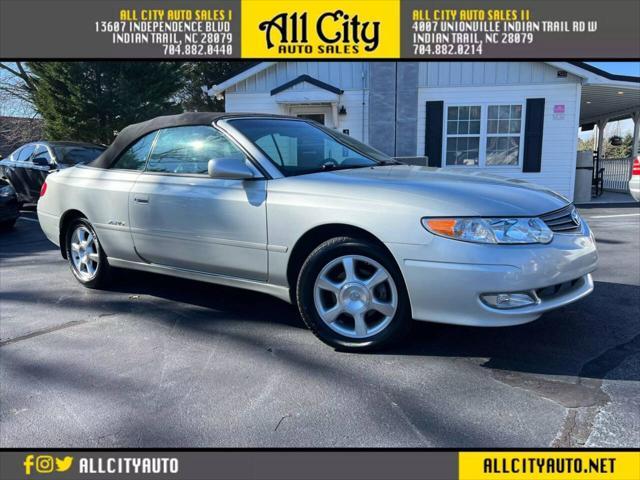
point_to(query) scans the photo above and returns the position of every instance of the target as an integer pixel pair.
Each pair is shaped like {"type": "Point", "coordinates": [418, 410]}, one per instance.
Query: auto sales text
{"type": "Point", "coordinates": [128, 465]}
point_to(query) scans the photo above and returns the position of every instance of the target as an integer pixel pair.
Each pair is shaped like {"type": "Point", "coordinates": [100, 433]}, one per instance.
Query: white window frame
{"type": "Point", "coordinates": [464, 135]}
{"type": "Point", "coordinates": [484, 123]}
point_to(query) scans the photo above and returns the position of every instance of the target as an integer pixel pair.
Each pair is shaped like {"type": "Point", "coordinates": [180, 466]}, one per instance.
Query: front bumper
{"type": "Point", "coordinates": [446, 278]}
{"type": "Point", "coordinates": [634, 187]}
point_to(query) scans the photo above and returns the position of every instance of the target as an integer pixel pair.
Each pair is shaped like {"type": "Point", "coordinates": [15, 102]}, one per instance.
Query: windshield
{"type": "Point", "coordinates": [75, 154]}
{"type": "Point", "coordinates": [298, 147]}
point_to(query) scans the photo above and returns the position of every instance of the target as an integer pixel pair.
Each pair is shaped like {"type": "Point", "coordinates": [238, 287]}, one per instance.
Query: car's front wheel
{"type": "Point", "coordinates": [351, 294]}
{"type": "Point", "coordinates": [85, 255]}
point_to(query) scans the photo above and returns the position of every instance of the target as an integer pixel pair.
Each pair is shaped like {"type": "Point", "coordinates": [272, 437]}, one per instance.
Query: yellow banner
{"type": "Point", "coordinates": [572, 465]}
{"type": "Point", "coordinates": [321, 29]}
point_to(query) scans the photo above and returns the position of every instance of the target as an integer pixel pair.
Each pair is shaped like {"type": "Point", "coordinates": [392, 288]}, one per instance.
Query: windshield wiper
{"type": "Point", "coordinates": [329, 166]}
{"type": "Point", "coordinates": [332, 166]}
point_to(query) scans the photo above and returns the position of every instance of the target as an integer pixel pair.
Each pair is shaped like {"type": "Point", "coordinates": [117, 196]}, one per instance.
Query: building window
{"type": "Point", "coordinates": [504, 126]}
{"type": "Point", "coordinates": [463, 135]}
{"type": "Point", "coordinates": [483, 135]}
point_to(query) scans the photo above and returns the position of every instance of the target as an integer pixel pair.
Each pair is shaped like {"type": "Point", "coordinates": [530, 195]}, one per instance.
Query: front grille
{"type": "Point", "coordinates": [565, 220]}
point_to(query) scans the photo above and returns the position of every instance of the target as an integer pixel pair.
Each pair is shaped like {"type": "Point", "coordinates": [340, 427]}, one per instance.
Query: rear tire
{"type": "Point", "coordinates": [352, 296]}
{"type": "Point", "coordinates": [86, 257]}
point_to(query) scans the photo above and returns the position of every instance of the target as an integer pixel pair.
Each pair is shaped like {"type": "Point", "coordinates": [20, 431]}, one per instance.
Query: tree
{"type": "Point", "coordinates": [16, 90]}
{"type": "Point", "coordinates": [206, 74]}
{"type": "Point", "coordinates": [610, 151]}
{"type": "Point", "coordinates": [18, 119]}
{"type": "Point", "coordinates": [586, 144]}
{"type": "Point", "coordinates": [92, 101]}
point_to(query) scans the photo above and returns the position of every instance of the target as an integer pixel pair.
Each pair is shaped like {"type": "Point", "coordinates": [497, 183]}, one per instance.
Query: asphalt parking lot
{"type": "Point", "coordinates": [161, 362]}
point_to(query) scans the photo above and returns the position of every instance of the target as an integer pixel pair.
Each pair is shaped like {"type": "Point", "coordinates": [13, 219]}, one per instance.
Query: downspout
{"type": "Point", "coordinates": [363, 102]}
{"type": "Point", "coordinates": [635, 144]}
{"type": "Point", "coordinates": [395, 114]}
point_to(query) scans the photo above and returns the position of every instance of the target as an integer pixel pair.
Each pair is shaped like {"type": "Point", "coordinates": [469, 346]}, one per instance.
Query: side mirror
{"type": "Point", "coordinates": [230, 169]}
{"type": "Point", "coordinates": [41, 162]}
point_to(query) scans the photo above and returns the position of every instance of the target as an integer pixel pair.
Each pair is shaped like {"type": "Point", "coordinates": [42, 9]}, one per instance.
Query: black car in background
{"type": "Point", "coordinates": [9, 211]}
{"type": "Point", "coordinates": [27, 167]}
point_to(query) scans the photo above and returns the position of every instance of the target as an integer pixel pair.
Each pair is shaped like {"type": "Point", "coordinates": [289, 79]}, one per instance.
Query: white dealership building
{"type": "Point", "coordinates": [517, 119]}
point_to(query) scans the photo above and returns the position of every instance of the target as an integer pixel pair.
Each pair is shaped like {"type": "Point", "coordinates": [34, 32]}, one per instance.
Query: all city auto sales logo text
{"type": "Point", "coordinates": [338, 32]}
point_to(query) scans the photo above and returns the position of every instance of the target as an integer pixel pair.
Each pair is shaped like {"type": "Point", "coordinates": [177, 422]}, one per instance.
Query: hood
{"type": "Point", "coordinates": [439, 192]}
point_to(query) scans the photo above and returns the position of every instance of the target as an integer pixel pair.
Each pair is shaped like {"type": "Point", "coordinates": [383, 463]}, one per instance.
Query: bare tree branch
{"type": "Point", "coordinates": [17, 87]}
{"type": "Point", "coordinates": [10, 70]}
{"type": "Point", "coordinates": [13, 92]}
{"type": "Point", "coordinates": [26, 77]}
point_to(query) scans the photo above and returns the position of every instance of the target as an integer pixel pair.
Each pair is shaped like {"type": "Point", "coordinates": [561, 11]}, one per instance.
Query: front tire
{"type": "Point", "coordinates": [85, 255]}
{"type": "Point", "coordinates": [352, 296]}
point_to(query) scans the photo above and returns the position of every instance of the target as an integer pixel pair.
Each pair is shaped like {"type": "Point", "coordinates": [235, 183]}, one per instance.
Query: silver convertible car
{"type": "Point", "coordinates": [363, 244]}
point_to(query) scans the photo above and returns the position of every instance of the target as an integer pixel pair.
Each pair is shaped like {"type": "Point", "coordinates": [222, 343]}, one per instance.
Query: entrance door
{"type": "Point", "coordinates": [318, 113]}
{"type": "Point", "coordinates": [316, 117]}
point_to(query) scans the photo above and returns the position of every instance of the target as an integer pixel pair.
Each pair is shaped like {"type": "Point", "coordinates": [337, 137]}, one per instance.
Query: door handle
{"type": "Point", "coordinates": [141, 198]}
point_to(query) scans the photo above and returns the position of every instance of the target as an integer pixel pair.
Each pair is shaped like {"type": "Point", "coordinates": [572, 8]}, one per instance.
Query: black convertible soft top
{"type": "Point", "coordinates": [130, 134]}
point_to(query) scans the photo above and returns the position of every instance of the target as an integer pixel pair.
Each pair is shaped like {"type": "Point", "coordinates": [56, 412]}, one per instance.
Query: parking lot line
{"type": "Point", "coordinates": [37, 333]}
{"type": "Point", "coordinates": [28, 219]}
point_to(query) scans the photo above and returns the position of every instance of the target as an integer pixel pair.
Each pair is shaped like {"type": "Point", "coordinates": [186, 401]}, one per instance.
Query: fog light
{"type": "Point", "coordinates": [508, 300]}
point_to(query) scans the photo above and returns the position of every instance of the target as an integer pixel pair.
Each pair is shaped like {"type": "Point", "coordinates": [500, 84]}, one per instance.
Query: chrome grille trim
{"type": "Point", "coordinates": [561, 221]}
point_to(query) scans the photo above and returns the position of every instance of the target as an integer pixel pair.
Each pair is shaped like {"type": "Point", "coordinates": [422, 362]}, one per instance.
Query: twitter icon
{"type": "Point", "coordinates": [64, 464]}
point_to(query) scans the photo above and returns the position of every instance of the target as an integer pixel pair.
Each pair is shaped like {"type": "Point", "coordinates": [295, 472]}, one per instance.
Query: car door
{"type": "Point", "coordinates": [106, 197]}
{"type": "Point", "coordinates": [38, 169]}
{"type": "Point", "coordinates": [182, 218]}
{"type": "Point", "coordinates": [7, 165]}
{"type": "Point", "coordinates": [18, 172]}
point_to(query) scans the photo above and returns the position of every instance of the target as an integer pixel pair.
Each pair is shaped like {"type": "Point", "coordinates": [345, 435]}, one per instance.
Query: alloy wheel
{"type": "Point", "coordinates": [85, 254]}
{"type": "Point", "coordinates": [355, 296]}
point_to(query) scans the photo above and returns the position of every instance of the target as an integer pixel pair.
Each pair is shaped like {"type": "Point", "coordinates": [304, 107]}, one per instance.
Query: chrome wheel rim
{"type": "Point", "coordinates": [85, 255]}
{"type": "Point", "coordinates": [355, 296]}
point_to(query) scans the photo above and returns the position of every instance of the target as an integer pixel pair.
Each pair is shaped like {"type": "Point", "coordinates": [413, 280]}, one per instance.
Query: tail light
{"type": "Point", "coordinates": [43, 189]}
{"type": "Point", "coordinates": [635, 170]}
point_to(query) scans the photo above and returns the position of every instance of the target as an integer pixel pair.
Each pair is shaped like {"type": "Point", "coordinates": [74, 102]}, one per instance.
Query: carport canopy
{"type": "Point", "coordinates": [606, 98]}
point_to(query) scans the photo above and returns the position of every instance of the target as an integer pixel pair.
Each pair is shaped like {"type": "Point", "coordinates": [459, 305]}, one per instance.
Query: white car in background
{"type": "Point", "coordinates": [634, 183]}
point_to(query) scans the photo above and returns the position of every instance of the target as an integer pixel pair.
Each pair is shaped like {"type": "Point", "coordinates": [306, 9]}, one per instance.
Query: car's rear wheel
{"type": "Point", "coordinates": [85, 255]}
{"type": "Point", "coordinates": [352, 296]}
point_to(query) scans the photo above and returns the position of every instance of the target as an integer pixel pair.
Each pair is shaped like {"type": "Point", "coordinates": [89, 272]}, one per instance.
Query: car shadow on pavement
{"type": "Point", "coordinates": [234, 301]}
{"type": "Point", "coordinates": [23, 239]}
{"type": "Point", "coordinates": [562, 357]}
{"type": "Point", "coordinates": [589, 338]}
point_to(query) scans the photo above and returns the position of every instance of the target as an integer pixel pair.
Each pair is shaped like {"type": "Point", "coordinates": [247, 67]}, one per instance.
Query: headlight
{"type": "Point", "coordinates": [490, 230]}
{"type": "Point", "coordinates": [6, 191]}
